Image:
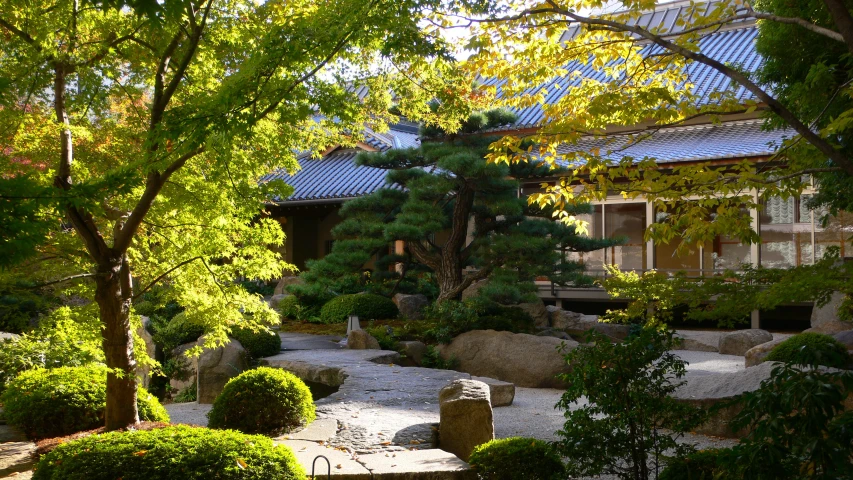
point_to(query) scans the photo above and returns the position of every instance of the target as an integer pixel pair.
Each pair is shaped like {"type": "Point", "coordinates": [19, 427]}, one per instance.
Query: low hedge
{"type": "Point", "coordinates": [811, 349]}
{"type": "Point", "coordinates": [367, 306]}
{"type": "Point", "coordinates": [263, 400]}
{"type": "Point", "coordinates": [183, 452]}
{"type": "Point", "coordinates": [56, 402]}
{"type": "Point", "coordinates": [260, 344]}
{"type": "Point", "coordinates": [517, 458]}
{"type": "Point", "coordinates": [701, 465]}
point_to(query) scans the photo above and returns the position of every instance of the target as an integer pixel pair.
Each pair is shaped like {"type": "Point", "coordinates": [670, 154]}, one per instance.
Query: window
{"type": "Point", "coordinates": [786, 233]}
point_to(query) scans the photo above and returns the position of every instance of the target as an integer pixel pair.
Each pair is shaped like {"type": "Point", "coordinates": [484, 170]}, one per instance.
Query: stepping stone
{"type": "Point", "coordinates": [16, 457]}
{"type": "Point", "coordinates": [418, 464]}
{"type": "Point", "coordinates": [320, 430]}
{"type": "Point", "coordinates": [343, 465]}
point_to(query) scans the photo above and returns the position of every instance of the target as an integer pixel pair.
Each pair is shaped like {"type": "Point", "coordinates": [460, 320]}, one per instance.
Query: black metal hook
{"type": "Point", "coordinates": [314, 463]}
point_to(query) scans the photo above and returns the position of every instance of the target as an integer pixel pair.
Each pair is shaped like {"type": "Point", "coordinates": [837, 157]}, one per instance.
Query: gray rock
{"type": "Point", "coordinates": [466, 417]}
{"type": "Point", "coordinates": [694, 345]}
{"type": "Point", "coordinates": [413, 350]}
{"type": "Point", "coordinates": [846, 338]}
{"type": "Point", "coordinates": [615, 331]}
{"type": "Point", "coordinates": [218, 365]}
{"type": "Point", "coordinates": [566, 320]}
{"type": "Point", "coordinates": [706, 391]}
{"type": "Point", "coordinates": [501, 393]}
{"type": "Point", "coordinates": [189, 370]}
{"type": "Point", "coordinates": [525, 360]}
{"type": "Point", "coordinates": [411, 306]}
{"type": "Point", "coordinates": [8, 336]}
{"type": "Point", "coordinates": [739, 342]}
{"type": "Point", "coordinates": [831, 327]}
{"type": "Point", "coordinates": [537, 312]}
{"type": "Point", "coordinates": [550, 332]}
{"type": "Point", "coordinates": [827, 313]}
{"type": "Point", "coordinates": [474, 289]}
{"type": "Point", "coordinates": [144, 372]}
{"type": "Point", "coordinates": [286, 282]}
{"type": "Point", "coordinates": [758, 353]}
{"type": "Point", "coordinates": [276, 300]}
{"type": "Point", "coordinates": [361, 340]}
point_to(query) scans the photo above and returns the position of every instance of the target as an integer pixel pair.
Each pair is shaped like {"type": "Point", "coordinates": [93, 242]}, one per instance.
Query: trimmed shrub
{"type": "Point", "coordinates": [262, 343]}
{"type": "Point", "coordinates": [263, 400]}
{"type": "Point", "coordinates": [517, 458]}
{"type": "Point", "coordinates": [61, 401]}
{"type": "Point", "coordinates": [367, 306]}
{"type": "Point", "coordinates": [64, 338]}
{"type": "Point", "coordinates": [701, 465]}
{"type": "Point", "coordinates": [810, 349]}
{"type": "Point", "coordinates": [190, 453]}
{"type": "Point", "coordinates": [177, 332]}
{"type": "Point", "coordinates": [289, 308]}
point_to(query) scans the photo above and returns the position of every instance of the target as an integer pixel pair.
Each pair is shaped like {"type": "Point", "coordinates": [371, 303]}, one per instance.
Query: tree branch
{"type": "Point", "coordinates": [66, 279]}
{"type": "Point", "coordinates": [163, 275]}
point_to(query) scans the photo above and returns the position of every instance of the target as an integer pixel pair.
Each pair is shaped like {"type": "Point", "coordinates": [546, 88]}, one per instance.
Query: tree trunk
{"type": "Point", "coordinates": [113, 296]}
{"type": "Point", "coordinates": [449, 276]}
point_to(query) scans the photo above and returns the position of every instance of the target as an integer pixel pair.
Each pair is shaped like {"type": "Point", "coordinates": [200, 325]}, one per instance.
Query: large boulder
{"type": "Point", "coordinates": [465, 417]}
{"type": "Point", "coordinates": [285, 282]}
{"type": "Point", "coordinates": [827, 313]}
{"type": "Point", "coordinates": [525, 360]}
{"type": "Point", "coordinates": [831, 327]}
{"type": "Point", "coordinates": [697, 341]}
{"type": "Point", "coordinates": [537, 312]}
{"type": "Point", "coordinates": [411, 306]}
{"type": "Point", "coordinates": [552, 332]}
{"type": "Point", "coordinates": [144, 372]}
{"type": "Point", "coordinates": [413, 350]}
{"type": "Point", "coordinates": [8, 336]}
{"type": "Point", "coordinates": [276, 300]}
{"type": "Point", "coordinates": [706, 391]}
{"type": "Point", "coordinates": [846, 338]}
{"type": "Point", "coordinates": [188, 371]}
{"type": "Point", "coordinates": [570, 321]}
{"type": "Point", "coordinates": [758, 353]}
{"type": "Point", "coordinates": [218, 365]}
{"type": "Point", "coordinates": [361, 340]}
{"type": "Point", "coordinates": [474, 289]}
{"type": "Point", "coordinates": [740, 341]}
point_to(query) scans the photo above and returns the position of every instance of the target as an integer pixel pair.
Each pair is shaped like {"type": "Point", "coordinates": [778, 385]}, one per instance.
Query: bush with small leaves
{"type": "Point", "coordinates": [366, 306]}
{"type": "Point", "coordinates": [259, 344]}
{"type": "Point", "coordinates": [191, 453]}
{"type": "Point", "coordinates": [263, 400]}
{"type": "Point", "coordinates": [177, 332]}
{"type": "Point", "coordinates": [61, 401]}
{"type": "Point", "coordinates": [810, 349]}
{"type": "Point", "coordinates": [700, 465]}
{"type": "Point", "coordinates": [517, 458]}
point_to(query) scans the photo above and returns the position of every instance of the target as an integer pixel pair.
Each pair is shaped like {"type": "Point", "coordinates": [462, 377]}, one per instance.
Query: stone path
{"type": "Point", "coordinates": [304, 341]}
{"type": "Point", "coordinates": [16, 454]}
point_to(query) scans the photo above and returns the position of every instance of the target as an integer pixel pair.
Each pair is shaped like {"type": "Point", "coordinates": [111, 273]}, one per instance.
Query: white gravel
{"type": "Point", "coordinates": [190, 413]}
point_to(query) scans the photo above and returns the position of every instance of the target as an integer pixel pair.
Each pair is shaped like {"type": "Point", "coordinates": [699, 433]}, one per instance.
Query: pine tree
{"type": "Point", "coordinates": [458, 216]}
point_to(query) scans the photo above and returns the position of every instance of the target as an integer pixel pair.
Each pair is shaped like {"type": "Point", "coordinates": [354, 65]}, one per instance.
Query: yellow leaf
{"type": "Point", "coordinates": [241, 463]}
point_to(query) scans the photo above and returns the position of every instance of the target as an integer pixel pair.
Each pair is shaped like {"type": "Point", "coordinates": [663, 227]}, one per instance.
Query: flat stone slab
{"type": "Point", "coordinates": [418, 464]}
{"type": "Point", "coordinates": [379, 406]}
{"type": "Point", "coordinates": [344, 466]}
{"type": "Point", "coordinates": [501, 393]}
{"type": "Point", "coordinates": [320, 430]}
{"type": "Point", "coordinates": [189, 413]}
{"type": "Point", "coordinates": [305, 341]}
{"type": "Point", "coordinates": [16, 457]}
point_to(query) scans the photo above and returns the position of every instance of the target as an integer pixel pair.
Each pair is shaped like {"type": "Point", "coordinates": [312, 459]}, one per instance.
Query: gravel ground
{"type": "Point", "coordinates": [190, 413]}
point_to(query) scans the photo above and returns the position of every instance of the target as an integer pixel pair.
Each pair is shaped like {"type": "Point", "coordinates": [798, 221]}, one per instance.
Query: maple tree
{"type": "Point", "coordinates": [132, 144]}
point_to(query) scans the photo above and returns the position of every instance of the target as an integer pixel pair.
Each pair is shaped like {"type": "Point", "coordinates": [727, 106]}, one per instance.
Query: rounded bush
{"type": "Point", "coordinates": [260, 344]}
{"type": "Point", "coordinates": [61, 401]}
{"type": "Point", "coordinates": [810, 349]}
{"type": "Point", "coordinates": [367, 306]}
{"type": "Point", "coordinates": [517, 458]}
{"type": "Point", "coordinates": [178, 332]}
{"type": "Point", "coordinates": [701, 465]}
{"type": "Point", "coordinates": [263, 400]}
{"type": "Point", "coordinates": [167, 453]}
{"type": "Point", "coordinates": [289, 307]}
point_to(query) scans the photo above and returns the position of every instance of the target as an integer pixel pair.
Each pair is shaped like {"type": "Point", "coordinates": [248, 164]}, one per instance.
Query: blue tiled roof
{"type": "Point", "coordinates": [735, 46]}
{"type": "Point", "coordinates": [689, 144]}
